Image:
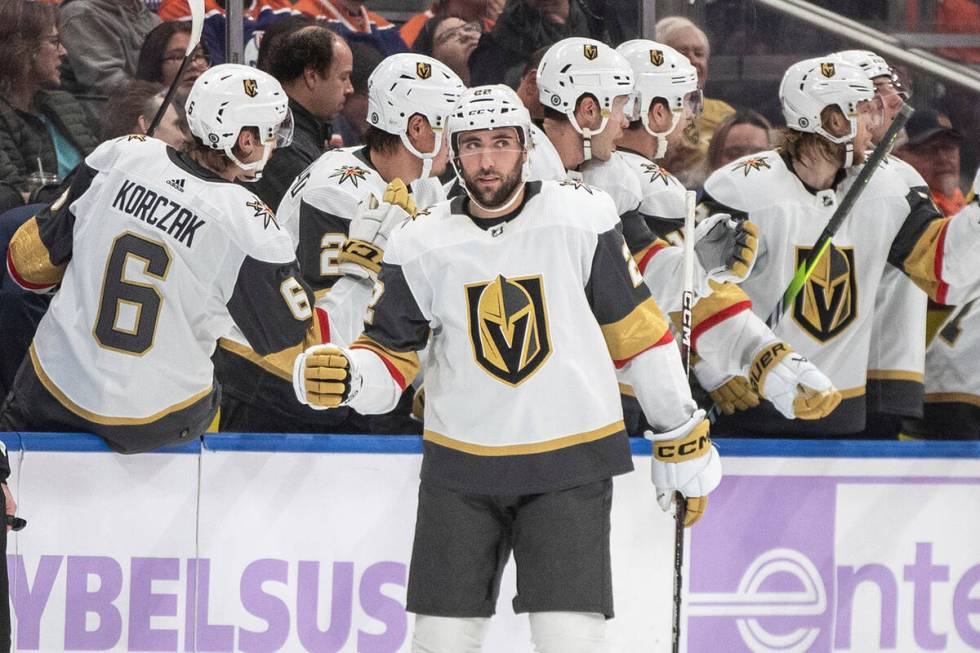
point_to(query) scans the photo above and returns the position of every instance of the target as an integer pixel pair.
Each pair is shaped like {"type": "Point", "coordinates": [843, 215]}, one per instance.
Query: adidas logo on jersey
{"type": "Point", "coordinates": [176, 183]}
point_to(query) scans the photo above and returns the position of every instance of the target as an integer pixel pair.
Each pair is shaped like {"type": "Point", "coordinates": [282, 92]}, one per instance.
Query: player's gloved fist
{"type": "Point", "coordinates": [685, 461]}
{"type": "Point", "coordinates": [325, 377]}
{"type": "Point", "coordinates": [729, 393]}
{"type": "Point", "coordinates": [726, 247]}
{"type": "Point", "coordinates": [792, 383]}
{"type": "Point", "coordinates": [360, 255]}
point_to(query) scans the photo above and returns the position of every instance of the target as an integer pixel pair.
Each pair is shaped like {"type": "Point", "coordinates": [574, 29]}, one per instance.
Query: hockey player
{"type": "Point", "coordinates": [157, 254]}
{"type": "Point", "coordinates": [896, 358]}
{"type": "Point", "coordinates": [831, 109]}
{"type": "Point", "coordinates": [666, 92]}
{"type": "Point", "coordinates": [518, 289]}
{"type": "Point", "coordinates": [409, 99]}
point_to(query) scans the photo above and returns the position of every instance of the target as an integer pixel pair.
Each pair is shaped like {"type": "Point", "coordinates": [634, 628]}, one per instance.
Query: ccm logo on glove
{"type": "Point", "coordinates": [694, 445]}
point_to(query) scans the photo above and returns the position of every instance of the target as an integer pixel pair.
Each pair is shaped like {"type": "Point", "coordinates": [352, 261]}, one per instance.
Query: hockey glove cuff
{"type": "Point", "coordinates": [360, 255]}
{"type": "Point", "coordinates": [685, 461]}
{"type": "Point", "coordinates": [729, 393]}
{"type": "Point", "coordinates": [726, 247]}
{"type": "Point", "coordinates": [325, 377]}
{"type": "Point", "coordinates": [792, 383]}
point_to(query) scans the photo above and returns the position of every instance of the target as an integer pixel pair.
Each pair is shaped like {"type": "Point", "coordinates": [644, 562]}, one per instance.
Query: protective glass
{"type": "Point", "coordinates": [284, 134]}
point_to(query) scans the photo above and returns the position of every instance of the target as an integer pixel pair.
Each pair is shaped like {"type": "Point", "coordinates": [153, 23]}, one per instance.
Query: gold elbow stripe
{"type": "Point", "coordinates": [693, 445]}
{"type": "Point", "coordinates": [524, 449]}
{"type": "Point", "coordinates": [31, 257]}
{"type": "Point", "coordinates": [643, 328]}
{"type": "Point", "coordinates": [105, 420]}
{"type": "Point", "coordinates": [922, 264]}
{"type": "Point", "coordinates": [403, 365]}
{"type": "Point", "coordinates": [952, 398]}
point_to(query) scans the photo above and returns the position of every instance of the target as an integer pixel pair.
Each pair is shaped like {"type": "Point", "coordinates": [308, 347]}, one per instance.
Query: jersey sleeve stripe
{"type": "Point", "coordinates": [924, 263]}
{"type": "Point", "coordinates": [29, 260]}
{"type": "Point", "coordinates": [725, 301]}
{"type": "Point", "coordinates": [324, 322]}
{"type": "Point", "coordinates": [643, 328]}
{"type": "Point", "coordinates": [716, 319]}
{"type": "Point", "coordinates": [403, 366]}
{"type": "Point", "coordinates": [644, 256]}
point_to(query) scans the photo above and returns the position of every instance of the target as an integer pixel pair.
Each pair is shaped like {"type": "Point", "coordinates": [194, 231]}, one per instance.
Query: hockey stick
{"type": "Point", "coordinates": [197, 25]}
{"type": "Point", "coordinates": [680, 503]}
{"type": "Point", "coordinates": [819, 248]}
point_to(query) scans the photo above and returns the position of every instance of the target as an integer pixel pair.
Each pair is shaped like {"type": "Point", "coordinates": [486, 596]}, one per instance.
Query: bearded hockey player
{"type": "Point", "coordinates": [409, 99]}
{"type": "Point", "coordinates": [831, 109]}
{"type": "Point", "coordinates": [665, 91]}
{"type": "Point", "coordinates": [158, 254]}
{"type": "Point", "coordinates": [485, 281]}
{"type": "Point", "coordinates": [896, 358]}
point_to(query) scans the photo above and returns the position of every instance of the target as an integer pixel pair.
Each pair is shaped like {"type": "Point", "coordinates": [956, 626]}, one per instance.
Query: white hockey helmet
{"type": "Point", "coordinates": [578, 66]}
{"type": "Point", "coordinates": [874, 65]}
{"type": "Point", "coordinates": [488, 107]}
{"type": "Point", "coordinates": [405, 84]}
{"type": "Point", "coordinates": [229, 97]}
{"type": "Point", "coordinates": [808, 87]}
{"type": "Point", "coordinates": [660, 71]}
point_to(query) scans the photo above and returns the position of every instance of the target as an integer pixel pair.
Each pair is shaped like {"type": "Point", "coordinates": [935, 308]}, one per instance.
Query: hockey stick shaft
{"type": "Point", "coordinates": [197, 25]}
{"type": "Point", "coordinates": [805, 270]}
{"type": "Point", "coordinates": [680, 503]}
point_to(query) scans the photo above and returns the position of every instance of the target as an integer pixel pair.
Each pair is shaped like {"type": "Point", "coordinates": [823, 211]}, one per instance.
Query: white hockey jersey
{"type": "Point", "coordinates": [159, 258]}
{"type": "Point", "coordinates": [529, 317]}
{"type": "Point", "coordinates": [544, 160]}
{"type": "Point", "coordinates": [830, 321]}
{"type": "Point", "coordinates": [896, 359]}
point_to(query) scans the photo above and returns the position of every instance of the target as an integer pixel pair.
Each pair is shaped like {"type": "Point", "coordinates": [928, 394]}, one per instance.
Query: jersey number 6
{"type": "Point", "coordinates": [129, 309]}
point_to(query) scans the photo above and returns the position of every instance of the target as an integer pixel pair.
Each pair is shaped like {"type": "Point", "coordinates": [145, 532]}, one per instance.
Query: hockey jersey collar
{"type": "Point", "coordinates": [461, 204]}
{"type": "Point", "coordinates": [838, 178]}
{"type": "Point", "coordinates": [192, 167]}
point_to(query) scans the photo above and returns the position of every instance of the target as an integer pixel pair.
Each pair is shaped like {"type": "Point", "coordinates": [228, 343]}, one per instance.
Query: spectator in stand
{"type": "Point", "coordinates": [687, 162]}
{"type": "Point", "coordinates": [314, 66]}
{"type": "Point", "coordinates": [103, 39]}
{"type": "Point", "coordinates": [132, 110]}
{"type": "Point", "coordinates": [161, 55]}
{"type": "Point", "coordinates": [351, 122]}
{"type": "Point", "coordinates": [933, 149]}
{"type": "Point", "coordinates": [467, 10]}
{"type": "Point", "coordinates": [42, 129]}
{"type": "Point", "coordinates": [451, 40]}
{"type": "Point", "coordinates": [744, 132]}
{"type": "Point", "coordinates": [352, 20]}
{"type": "Point", "coordinates": [523, 27]}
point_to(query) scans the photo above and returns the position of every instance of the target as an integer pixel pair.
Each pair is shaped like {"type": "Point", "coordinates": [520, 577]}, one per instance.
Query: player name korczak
{"type": "Point", "coordinates": [159, 211]}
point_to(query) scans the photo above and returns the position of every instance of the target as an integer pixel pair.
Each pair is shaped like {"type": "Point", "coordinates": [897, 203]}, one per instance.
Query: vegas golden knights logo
{"type": "Point", "coordinates": [251, 87]}
{"type": "Point", "coordinates": [657, 57]}
{"type": "Point", "coordinates": [591, 51]}
{"type": "Point", "coordinates": [423, 70]}
{"type": "Point", "coordinates": [508, 327]}
{"type": "Point", "coordinates": [828, 303]}
{"type": "Point", "coordinates": [827, 69]}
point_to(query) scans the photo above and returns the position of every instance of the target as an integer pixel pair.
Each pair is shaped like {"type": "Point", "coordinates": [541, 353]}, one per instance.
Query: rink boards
{"type": "Point", "coordinates": [301, 543]}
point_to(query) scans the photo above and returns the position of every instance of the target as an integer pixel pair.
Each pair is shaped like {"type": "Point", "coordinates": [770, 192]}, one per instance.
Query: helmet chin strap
{"type": "Point", "coordinates": [255, 166]}
{"type": "Point", "coordinates": [675, 119]}
{"type": "Point", "coordinates": [848, 154]}
{"type": "Point", "coordinates": [587, 133]}
{"type": "Point", "coordinates": [426, 157]}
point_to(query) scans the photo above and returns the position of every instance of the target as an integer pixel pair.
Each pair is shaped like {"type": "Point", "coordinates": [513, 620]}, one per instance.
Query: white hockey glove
{"type": "Point", "coordinates": [729, 393]}
{"type": "Point", "coordinates": [726, 247]}
{"type": "Point", "coordinates": [360, 255]}
{"type": "Point", "coordinates": [324, 377]}
{"type": "Point", "coordinates": [685, 461]}
{"type": "Point", "coordinates": [793, 384]}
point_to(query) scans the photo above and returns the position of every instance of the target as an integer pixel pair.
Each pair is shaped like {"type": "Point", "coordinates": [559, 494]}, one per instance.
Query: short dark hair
{"type": "Point", "coordinates": [425, 41]}
{"type": "Point", "coordinates": [276, 31]}
{"type": "Point", "coordinates": [311, 45]}
{"type": "Point", "coordinates": [22, 26]}
{"type": "Point", "coordinates": [122, 112]}
{"type": "Point", "coordinates": [149, 66]}
{"type": "Point", "coordinates": [378, 140]}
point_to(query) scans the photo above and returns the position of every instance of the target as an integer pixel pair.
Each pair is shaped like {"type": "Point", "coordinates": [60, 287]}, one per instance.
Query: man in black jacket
{"type": "Point", "coordinates": [314, 66]}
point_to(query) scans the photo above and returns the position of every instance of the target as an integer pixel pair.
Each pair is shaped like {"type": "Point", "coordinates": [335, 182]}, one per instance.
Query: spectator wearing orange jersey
{"type": "Point", "coordinates": [353, 21]}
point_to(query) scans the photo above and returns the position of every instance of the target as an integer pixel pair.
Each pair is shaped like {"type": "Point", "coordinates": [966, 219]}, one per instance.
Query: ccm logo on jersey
{"type": "Point", "coordinates": [158, 211]}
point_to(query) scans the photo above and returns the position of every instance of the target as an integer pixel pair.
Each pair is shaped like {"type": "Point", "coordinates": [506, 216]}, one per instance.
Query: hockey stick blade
{"type": "Point", "coordinates": [806, 268]}
{"type": "Point", "coordinates": [197, 26]}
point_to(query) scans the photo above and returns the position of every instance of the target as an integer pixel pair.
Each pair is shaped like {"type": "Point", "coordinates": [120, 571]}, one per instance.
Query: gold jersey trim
{"type": "Point", "coordinates": [852, 393]}
{"type": "Point", "coordinates": [279, 364]}
{"type": "Point", "coordinates": [952, 397]}
{"type": "Point", "coordinates": [896, 375]}
{"type": "Point", "coordinates": [920, 264]}
{"type": "Point", "coordinates": [103, 419]}
{"type": "Point", "coordinates": [524, 449]}
{"type": "Point", "coordinates": [31, 257]}
{"type": "Point", "coordinates": [643, 328]}
{"type": "Point", "coordinates": [625, 389]}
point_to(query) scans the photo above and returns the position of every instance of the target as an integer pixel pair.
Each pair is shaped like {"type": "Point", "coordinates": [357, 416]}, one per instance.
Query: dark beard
{"type": "Point", "coordinates": [493, 199]}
